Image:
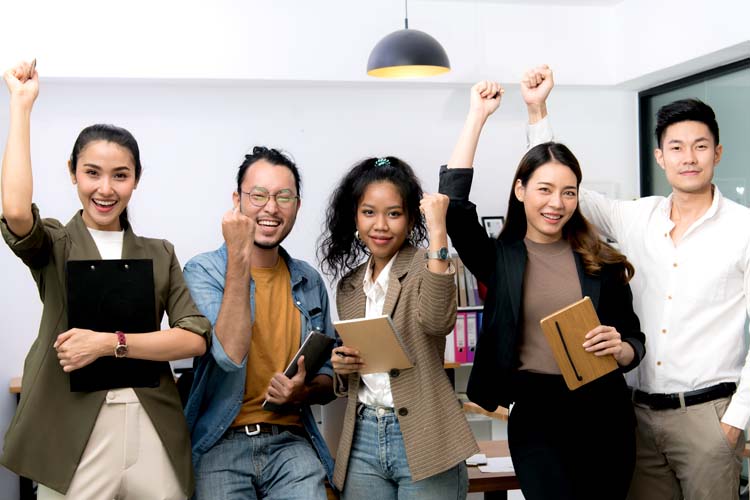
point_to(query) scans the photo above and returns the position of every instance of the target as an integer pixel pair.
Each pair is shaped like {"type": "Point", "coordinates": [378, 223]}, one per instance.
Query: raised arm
{"type": "Point", "coordinates": [234, 323]}
{"type": "Point", "coordinates": [485, 99]}
{"type": "Point", "coordinates": [536, 85]}
{"type": "Point", "coordinates": [467, 235]}
{"type": "Point", "coordinates": [17, 183]}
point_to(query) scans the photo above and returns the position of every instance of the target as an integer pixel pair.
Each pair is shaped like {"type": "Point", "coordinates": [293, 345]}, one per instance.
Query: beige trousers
{"type": "Point", "coordinates": [684, 453]}
{"type": "Point", "coordinates": [124, 458]}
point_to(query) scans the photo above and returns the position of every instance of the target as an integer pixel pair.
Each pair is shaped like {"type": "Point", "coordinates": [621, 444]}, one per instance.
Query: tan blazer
{"type": "Point", "coordinates": [423, 308]}
{"type": "Point", "coordinates": [47, 436]}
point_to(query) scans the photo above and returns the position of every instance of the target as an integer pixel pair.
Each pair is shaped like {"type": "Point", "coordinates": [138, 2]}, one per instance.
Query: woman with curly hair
{"type": "Point", "coordinates": [404, 434]}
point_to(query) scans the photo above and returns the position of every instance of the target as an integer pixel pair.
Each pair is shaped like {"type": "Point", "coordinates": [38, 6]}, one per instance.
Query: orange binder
{"type": "Point", "coordinates": [565, 331]}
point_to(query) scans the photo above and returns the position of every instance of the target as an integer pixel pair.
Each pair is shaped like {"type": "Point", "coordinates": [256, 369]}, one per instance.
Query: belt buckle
{"type": "Point", "coordinates": [253, 433]}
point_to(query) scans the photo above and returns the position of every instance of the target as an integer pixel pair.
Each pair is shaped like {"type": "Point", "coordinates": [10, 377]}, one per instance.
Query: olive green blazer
{"type": "Point", "coordinates": [422, 305]}
{"type": "Point", "coordinates": [51, 427]}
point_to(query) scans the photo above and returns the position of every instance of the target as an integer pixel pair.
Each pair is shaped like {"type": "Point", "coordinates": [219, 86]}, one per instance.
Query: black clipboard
{"type": "Point", "coordinates": [317, 349]}
{"type": "Point", "coordinates": [107, 296]}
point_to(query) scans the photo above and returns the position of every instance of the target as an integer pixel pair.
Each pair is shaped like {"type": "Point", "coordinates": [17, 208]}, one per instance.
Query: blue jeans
{"type": "Point", "coordinates": [282, 466]}
{"type": "Point", "coordinates": [378, 469]}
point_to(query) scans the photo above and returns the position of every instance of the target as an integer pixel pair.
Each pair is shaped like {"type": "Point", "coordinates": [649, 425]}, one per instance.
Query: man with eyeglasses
{"type": "Point", "coordinates": [262, 304]}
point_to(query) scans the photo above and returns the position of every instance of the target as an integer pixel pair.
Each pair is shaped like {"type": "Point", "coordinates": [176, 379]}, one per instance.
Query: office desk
{"type": "Point", "coordinates": [495, 485]}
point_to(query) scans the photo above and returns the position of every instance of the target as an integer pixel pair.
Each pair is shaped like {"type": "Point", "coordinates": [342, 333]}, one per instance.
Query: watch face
{"type": "Point", "coordinates": [121, 351]}
{"type": "Point", "coordinates": [443, 253]}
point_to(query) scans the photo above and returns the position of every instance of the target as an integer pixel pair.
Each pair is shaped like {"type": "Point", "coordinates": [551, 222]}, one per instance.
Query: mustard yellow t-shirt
{"type": "Point", "coordinates": [274, 342]}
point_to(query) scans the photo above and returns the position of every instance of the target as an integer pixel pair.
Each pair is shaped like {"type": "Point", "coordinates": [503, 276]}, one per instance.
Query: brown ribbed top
{"type": "Point", "coordinates": [550, 283]}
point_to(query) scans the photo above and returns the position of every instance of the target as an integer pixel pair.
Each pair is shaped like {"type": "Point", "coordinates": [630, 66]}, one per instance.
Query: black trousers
{"type": "Point", "coordinates": [572, 445]}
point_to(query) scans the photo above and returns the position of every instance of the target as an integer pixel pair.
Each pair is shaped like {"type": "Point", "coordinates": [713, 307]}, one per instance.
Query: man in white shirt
{"type": "Point", "coordinates": [691, 292]}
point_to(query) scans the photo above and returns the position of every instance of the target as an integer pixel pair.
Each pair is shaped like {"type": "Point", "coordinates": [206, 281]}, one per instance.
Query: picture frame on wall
{"type": "Point", "coordinates": [493, 224]}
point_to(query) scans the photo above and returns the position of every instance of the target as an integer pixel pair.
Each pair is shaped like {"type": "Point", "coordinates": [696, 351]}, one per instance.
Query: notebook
{"type": "Point", "coordinates": [377, 342]}
{"type": "Point", "coordinates": [565, 331]}
{"type": "Point", "coordinates": [317, 349]}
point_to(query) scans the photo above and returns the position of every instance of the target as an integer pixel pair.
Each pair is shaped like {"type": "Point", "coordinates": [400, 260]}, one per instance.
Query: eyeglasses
{"type": "Point", "coordinates": [259, 197]}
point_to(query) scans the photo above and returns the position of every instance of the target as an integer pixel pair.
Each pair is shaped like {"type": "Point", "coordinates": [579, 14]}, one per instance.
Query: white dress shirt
{"type": "Point", "coordinates": [376, 389]}
{"type": "Point", "coordinates": [692, 298]}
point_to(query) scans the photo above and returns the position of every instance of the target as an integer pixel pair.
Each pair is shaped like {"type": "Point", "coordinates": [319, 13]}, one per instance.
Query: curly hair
{"type": "Point", "coordinates": [583, 237]}
{"type": "Point", "coordinates": [339, 250]}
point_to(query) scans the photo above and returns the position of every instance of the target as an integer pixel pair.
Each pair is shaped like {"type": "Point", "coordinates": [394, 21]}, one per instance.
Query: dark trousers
{"type": "Point", "coordinates": [572, 445]}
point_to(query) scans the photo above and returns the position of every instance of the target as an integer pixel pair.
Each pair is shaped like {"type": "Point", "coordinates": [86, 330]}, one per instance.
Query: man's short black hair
{"type": "Point", "coordinates": [682, 111]}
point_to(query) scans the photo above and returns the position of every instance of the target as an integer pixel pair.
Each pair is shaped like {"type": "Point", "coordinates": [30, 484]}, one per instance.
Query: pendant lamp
{"type": "Point", "coordinates": [407, 54]}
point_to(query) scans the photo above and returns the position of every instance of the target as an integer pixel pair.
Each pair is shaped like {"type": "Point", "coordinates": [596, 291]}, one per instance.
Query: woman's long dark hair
{"type": "Point", "coordinates": [339, 251]}
{"type": "Point", "coordinates": [583, 237]}
{"type": "Point", "coordinates": [116, 135]}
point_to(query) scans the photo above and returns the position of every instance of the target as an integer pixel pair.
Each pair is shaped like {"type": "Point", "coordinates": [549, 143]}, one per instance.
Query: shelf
{"type": "Point", "coordinates": [452, 366]}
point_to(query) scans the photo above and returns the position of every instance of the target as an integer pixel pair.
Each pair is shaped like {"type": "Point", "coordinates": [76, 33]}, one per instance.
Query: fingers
{"type": "Point", "coordinates": [603, 340]}
{"type": "Point", "coordinates": [536, 76]}
{"type": "Point", "coordinates": [63, 337]}
{"type": "Point", "coordinates": [436, 202]}
{"type": "Point", "coordinates": [301, 371]}
{"type": "Point", "coordinates": [346, 360]}
{"type": "Point", "coordinates": [487, 89]}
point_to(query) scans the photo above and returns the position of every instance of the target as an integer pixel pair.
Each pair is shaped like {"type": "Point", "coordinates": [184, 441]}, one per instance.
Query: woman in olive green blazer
{"type": "Point", "coordinates": [50, 438]}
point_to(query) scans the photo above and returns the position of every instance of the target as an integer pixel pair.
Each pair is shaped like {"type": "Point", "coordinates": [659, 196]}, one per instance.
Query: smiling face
{"type": "Point", "coordinates": [688, 156]}
{"type": "Point", "coordinates": [549, 198]}
{"type": "Point", "coordinates": [105, 179]}
{"type": "Point", "coordinates": [382, 221]}
{"type": "Point", "coordinates": [273, 222]}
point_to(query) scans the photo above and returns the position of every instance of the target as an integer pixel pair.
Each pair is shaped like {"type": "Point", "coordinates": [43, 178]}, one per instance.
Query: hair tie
{"type": "Point", "coordinates": [382, 162]}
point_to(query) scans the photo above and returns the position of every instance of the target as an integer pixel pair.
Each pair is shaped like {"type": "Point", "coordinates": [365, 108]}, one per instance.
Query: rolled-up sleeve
{"type": "Point", "coordinates": [437, 301]}
{"type": "Point", "coordinates": [34, 248]}
{"type": "Point", "coordinates": [208, 293]}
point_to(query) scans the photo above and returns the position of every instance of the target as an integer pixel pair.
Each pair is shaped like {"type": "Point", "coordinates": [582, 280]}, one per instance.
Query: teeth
{"type": "Point", "coordinates": [268, 223]}
{"type": "Point", "coordinates": [550, 216]}
{"type": "Point", "coordinates": [105, 203]}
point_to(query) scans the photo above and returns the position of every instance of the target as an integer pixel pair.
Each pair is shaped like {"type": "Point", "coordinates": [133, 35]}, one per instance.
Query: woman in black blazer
{"type": "Point", "coordinates": [564, 444]}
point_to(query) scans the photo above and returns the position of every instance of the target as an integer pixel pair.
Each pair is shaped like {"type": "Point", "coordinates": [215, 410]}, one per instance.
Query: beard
{"type": "Point", "coordinates": [270, 245]}
{"type": "Point", "coordinates": [267, 246]}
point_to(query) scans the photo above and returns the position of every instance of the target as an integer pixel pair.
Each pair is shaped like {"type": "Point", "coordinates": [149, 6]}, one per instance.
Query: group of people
{"type": "Point", "coordinates": [673, 430]}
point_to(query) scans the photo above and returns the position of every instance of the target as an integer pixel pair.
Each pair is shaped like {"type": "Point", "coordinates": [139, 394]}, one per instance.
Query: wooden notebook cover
{"type": "Point", "coordinates": [375, 339]}
{"type": "Point", "coordinates": [565, 331]}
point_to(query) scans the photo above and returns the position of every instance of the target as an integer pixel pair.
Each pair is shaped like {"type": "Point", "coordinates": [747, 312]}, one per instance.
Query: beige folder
{"type": "Point", "coordinates": [375, 339]}
{"type": "Point", "coordinates": [565, 331]}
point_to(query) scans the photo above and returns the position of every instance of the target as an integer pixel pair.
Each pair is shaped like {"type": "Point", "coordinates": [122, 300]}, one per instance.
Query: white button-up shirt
{"type": "Point", "coordinates": [376, 389]}
{"type": "Point", "coordinates": [692, 298]}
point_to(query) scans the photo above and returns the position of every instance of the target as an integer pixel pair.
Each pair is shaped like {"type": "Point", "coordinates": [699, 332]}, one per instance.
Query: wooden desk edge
{"type": "Point", "coordinates": [500, 414]}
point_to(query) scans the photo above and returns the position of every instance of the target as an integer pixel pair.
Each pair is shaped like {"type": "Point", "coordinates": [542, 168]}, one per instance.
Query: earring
{"type": "Point", "coordinates": [356, 235]}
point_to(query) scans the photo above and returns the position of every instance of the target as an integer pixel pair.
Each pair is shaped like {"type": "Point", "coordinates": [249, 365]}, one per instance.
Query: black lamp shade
{"type": "Point", "coordinates": [407, 53]}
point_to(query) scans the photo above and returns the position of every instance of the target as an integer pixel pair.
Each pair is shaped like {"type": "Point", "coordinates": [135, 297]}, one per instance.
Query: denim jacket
{"type": "Point", "coordinates": [219, 384]}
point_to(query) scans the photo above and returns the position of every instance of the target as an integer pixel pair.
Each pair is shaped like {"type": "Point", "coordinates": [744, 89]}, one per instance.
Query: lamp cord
{"type": "Point", "coordinates": [406, 14]}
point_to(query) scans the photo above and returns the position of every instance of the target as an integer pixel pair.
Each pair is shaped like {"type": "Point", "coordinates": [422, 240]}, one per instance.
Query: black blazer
{"type": "Point", "coordinates": [500, 265]}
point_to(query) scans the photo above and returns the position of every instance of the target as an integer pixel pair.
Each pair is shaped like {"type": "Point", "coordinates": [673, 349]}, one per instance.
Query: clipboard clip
{"type": "Point", "coordinates": [565, 346]}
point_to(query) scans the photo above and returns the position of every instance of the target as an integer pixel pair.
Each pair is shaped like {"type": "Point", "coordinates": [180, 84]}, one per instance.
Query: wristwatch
{"type": "Point", "coordinates": [121, 349]}
{"type": "Point", "coordinates": [441, 254]}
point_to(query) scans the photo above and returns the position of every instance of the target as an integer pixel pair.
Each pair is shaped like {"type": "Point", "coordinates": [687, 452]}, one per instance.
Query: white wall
{"type": "Point", "coordinates": [589, 43]}
{"type": "Point", "coordinates": [192, 138]}
{"type": "Point", "coordinates": [200, 83]}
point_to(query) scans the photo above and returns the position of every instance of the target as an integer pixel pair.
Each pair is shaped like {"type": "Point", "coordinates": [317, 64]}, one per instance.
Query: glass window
{"type": "Point", "coordinates": [727, 91]}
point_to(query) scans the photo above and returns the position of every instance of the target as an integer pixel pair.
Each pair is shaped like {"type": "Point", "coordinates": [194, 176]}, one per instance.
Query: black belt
{"type": "Point", "coordinates": [673, 401]}
{"type": "Point", "coordinates": [263, 428]}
